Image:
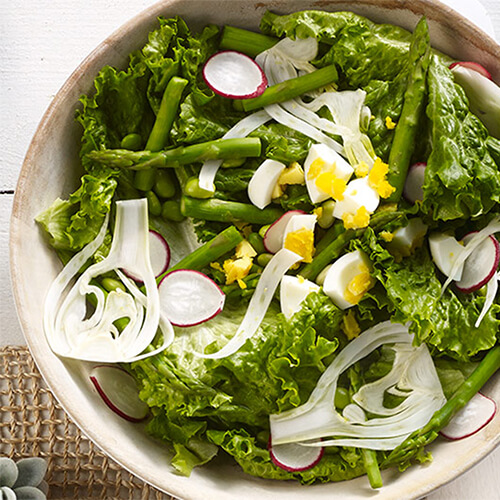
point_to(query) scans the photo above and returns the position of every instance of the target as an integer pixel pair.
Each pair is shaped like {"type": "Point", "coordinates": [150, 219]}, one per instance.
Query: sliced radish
{"type": "Point", "coordinates": [234, 75]}
{"type": "Point", "coordinates": [159, 255]}
{"type": "Point", "coordinates": [263, 182]}
{"type": "Point", "coordinates": [294, 457]}
{"type": "Point", "coordinates": [119, 391]}
{"type": "Point", "coordinates": [480, 266]}
{"type": "Point", "coordinates": [478, 412]}
{"type": "Point", "coordinates": [273, 238]}
{"type": "Point", "coordinates": [188, 297]}
{"type": "Point", "coordinates": [473, 66]}
{"type": "Point", "coordinates": [413, 188]}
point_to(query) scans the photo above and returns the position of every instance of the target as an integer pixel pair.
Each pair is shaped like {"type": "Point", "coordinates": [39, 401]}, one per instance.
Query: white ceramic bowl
{"type": "Point", "coordinates": [50, 171]}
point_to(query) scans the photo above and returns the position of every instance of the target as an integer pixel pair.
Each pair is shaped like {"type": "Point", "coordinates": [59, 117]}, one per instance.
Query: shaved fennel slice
{"type": "Point", "coordinates": [71, 333]}
{"type": "Point", "coordinates": [300, 51]}
{"type": "Point", "coordinates": [492, 228]}
{"type": "Point", "coordinates": [241, 129]}
{"type": "Point", "coordinates": [259, 303]}
{"type": "Point", "coordinates": [61, 282]}
{"type": "Point", "coordinates": [279, 70]}
{"type": "Point", "coordinates": [347, 108]}
{"type": "Point", "coordinates": [491, 292]}
{"type": "Point", "coordinates": [413, 376]}
{"type": "Point", "coordinates": [282, 116]}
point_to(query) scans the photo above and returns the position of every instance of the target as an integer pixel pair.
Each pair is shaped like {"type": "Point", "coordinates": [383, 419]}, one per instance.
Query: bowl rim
{"type": "Point", "coordinates": [433, 9]}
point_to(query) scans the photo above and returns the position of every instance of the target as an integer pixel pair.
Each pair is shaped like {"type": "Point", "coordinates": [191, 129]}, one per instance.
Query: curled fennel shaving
{"type": "Point", "coordinates": [284, 61]}
{"type": "Point", "coordinates": [241, 129]}
{"type": "Point", "coordinates": [75, 332]}
{"type": "Point", "coordinates": [412, 377]}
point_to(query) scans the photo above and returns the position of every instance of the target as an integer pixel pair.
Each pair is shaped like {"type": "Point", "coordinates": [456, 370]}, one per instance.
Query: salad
{"type": "Point", "coordinates": [287, 240]}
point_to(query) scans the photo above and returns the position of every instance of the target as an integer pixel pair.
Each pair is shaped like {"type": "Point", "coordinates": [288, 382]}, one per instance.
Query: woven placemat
{"type": "Point", "coordinates": [33, 424]}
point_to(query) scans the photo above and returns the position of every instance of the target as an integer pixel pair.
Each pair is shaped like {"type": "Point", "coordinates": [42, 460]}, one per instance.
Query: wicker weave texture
{"type": "Point", "coordinates": [32, 423]}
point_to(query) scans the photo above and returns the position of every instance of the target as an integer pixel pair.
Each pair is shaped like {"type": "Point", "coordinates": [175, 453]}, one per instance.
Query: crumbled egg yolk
{"type": "Point", "coordinates": [293, 174]}
{"type": "Point", "coordinates": [359, 285]}
{"type": "Point", "coordinates": [358, 220]}
{"type": "Point", "coordinates": [362, 169]}
{"type": "Point", "coordinates": [350, 325]}
{"type": "Point", "coordinates": [245, 249]}
{"type": "Point", "coordinates": [386, 236]}
{"type": "Point", "coordinates": [377, 179]}
{"type": "Point", "coordinates": [326, 180]}
{"type": "Point", "coordinates": [389, 123]}
{"type": "Point", "coordinates": [237, 269]}
{"type": "Point", "coordinates": [239, 266]}
{"type": "Point", "coordinates": [301, 242]}
{"type": "Point", "coordinates": [318, 212]}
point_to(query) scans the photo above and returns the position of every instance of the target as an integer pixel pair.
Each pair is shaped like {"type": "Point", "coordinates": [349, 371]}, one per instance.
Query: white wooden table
{"type": "Point", "coordinates": [41, 42]}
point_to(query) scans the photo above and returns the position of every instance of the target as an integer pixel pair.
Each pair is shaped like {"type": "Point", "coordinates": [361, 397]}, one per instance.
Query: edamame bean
{"type": "Point", "coordinates": [342, 398]}
{"type": "Point", "coordinates": [256, 241]}
{"type": "Point", "coordinates": [263, 259]}
{"type": "Point", "coordinates": [144, 180]}
{"type": "Point", "coordinates": [326, 219]}
{"type": "Point", "coordinates": [154, 205]}
{"type": "Point", "coordinates": [164, 184]}
{"type": "Point", "coordinates": [111, 284]}
{"type": "Point", "coordinates": [132, 142]}
{"type": "Point", "coordinates": [263, 230]}
{"type": "Point", "coordinates": [193, 189]}
{"type": "Point", "coordinates": [233, 162]}
{"type": "Point", "coordinates": [171, 210]}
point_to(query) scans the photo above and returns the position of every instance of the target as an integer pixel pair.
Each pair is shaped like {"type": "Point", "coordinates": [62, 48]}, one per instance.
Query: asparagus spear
{"type": "Point", "coordinates": [333, 250]}
{"type": "Point", "coordinates": [372, 468]}
{"type": "Point", "coordinates": [172, 158]}
{"type": "Point", "coordinates": [248, 42]}
{"type": "Point", "coordinates": [218, 246]}
{"type": "Point", "coordinates": [413, 107]}
{"type": "Point", "coordinates": [158, 138]}
{"type": "Point", "coordinates": [228, 211]}
{"type": "Point", "coordinates": [411, 446]}
{"type": "Point", "coordinates": [289, 89]}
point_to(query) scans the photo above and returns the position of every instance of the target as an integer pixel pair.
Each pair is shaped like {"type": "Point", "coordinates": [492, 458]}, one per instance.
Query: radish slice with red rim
{"type": "Point", "coordinates": [478, 412]}
{"type": "Point", "coordinates": [295, 457]}
{"type": "Point", "coordinates": [234, 75]}
{"type": "Point", "coordinates": [159, 255]}
{"type": "Point", "coordinates": [413, 188]}
{"type": "Point", "coordinates": [118, 389]}
{"type": "Point", "coordinates": [473, 66]}
{"type": "Point", "coordinates": [273, 238]}
{"type": "Point", "coordinates": [189, 298]}
{"type": "Point", "coordinates": [481, 265]}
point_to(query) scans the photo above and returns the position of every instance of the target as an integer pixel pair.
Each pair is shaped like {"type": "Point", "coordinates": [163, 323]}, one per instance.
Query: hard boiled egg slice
{"type": "Point", "coordinates": [359, 201]}
{"type": "Point", "coordinates": [299, 235]}
{"type": "Point", "coordinates": [326, 173]}
{"type": "Point", "coordinates": [293, 291]}
{"type": "Point", "coordinates": [406, 239]}
{"type": "Point", "coordinates": [348, 279]}
{"type": "Point", "coordinates": [263, 182]}
{"type": "Point", "coordinates": [445, 250]}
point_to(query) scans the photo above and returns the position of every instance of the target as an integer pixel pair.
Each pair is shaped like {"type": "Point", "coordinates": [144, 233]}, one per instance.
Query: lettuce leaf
{"type": "Point", "coordinates": [275, 370]}
{"type": "Point", "coordinates": [71, 224]}
{"type": "Point", "coordinates": [361, 49]}
{"type": "Point", "coordinates": [118, 107]}
{"type": "Point", "coordinates": [462, 179]}
{"type": "Point", "coordinates": [254, 459]}
{"type": "Point", "coordinates": [445, 322]}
